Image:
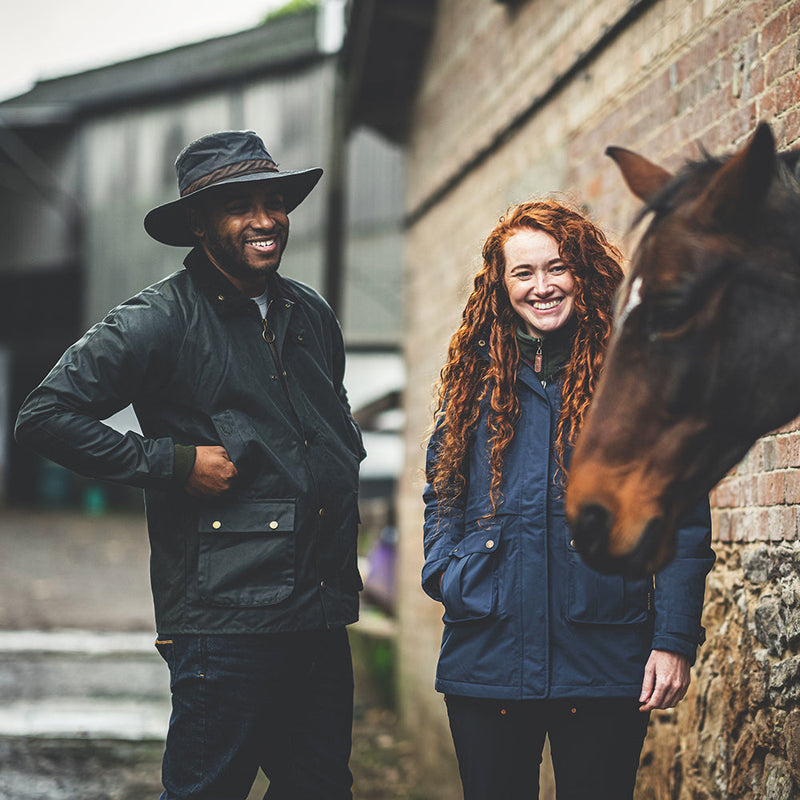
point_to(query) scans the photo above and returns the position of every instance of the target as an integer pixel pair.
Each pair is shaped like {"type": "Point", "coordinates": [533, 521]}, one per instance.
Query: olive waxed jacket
{"type": "Point", "coordinates": [192, 354]}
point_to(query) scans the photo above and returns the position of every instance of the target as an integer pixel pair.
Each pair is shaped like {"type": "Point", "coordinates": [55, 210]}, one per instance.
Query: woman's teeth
{"type": "Point", "coordinates": [546, 305]}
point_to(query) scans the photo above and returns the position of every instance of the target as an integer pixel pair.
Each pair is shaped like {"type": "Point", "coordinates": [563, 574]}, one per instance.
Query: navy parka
{"type": "Point", "coordinates": [524, 617]}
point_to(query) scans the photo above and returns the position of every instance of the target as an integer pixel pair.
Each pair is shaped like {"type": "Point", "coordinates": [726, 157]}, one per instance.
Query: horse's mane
{"type": "Point", "coordinates": [783, 205]}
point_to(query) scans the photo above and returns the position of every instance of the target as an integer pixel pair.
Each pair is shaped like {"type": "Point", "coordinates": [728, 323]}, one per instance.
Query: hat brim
{"type": "Point", "coordinates": [169, 223]}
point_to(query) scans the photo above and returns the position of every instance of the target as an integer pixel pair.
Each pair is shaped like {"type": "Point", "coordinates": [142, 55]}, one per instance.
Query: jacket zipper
{"type": "Point", "coordinates": [268, 335]}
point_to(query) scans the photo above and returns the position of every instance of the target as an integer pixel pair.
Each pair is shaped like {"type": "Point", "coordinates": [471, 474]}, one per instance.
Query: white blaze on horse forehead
{"type": "Point", "coordinates": [634, 298]}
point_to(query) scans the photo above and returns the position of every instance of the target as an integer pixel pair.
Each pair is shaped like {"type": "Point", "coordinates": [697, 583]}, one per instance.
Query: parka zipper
{"type": "Point", "coordinates": [537, 362]}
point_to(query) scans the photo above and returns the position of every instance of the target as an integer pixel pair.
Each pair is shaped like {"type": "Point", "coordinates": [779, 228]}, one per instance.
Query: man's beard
{"type": "Point", "coordinates": [230, 259]}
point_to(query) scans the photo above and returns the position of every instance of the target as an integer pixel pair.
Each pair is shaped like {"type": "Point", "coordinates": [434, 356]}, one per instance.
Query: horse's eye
{"type": "Point", "coordinates": [667, 314]}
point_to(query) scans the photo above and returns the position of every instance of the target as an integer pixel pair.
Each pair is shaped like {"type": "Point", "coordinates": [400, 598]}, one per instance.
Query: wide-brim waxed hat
{"type": "Point", "coordinates": [216, 160]}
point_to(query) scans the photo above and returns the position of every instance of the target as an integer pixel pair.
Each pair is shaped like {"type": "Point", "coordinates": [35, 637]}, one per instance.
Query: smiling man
{"type": "Point", "coordinates": [249, 461]}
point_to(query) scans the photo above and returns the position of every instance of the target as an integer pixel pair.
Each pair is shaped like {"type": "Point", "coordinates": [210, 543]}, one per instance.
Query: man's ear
{"type": "Point", "coordinates": [195, 221]}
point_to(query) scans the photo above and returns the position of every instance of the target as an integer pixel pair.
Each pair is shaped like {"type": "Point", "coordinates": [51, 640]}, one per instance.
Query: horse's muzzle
{"type": "Point", "coordinates": [591, 533]}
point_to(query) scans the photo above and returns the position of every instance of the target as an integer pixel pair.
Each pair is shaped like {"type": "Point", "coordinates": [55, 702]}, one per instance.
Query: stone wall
{"type": "Point", "coordinates": [736, 735]}
{"type": "Point", "coordinates": [521, 99]}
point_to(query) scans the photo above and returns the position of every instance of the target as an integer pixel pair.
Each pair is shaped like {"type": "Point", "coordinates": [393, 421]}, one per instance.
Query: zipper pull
{"type": "Point", "coordinates": [267, 334]}
{"type": "Point", "coordinates": [537, 361]}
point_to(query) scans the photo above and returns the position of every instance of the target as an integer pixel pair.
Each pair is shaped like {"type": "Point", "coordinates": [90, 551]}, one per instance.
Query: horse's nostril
{"type": "Point", "coordinates": [592, 528]}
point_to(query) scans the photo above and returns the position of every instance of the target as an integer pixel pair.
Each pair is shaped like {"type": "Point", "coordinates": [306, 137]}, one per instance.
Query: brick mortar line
{"type": "Point", "coordinates": [581, 60]}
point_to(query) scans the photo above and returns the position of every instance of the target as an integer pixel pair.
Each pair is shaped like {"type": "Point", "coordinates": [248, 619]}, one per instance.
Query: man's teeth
{"type": "Point", "coordinates": [263, 243]}
{"type": "Point", "coordinates": [545, 306]}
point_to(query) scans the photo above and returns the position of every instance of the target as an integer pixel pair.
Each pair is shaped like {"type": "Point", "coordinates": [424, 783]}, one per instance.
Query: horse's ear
{"type": "Point", "coordinates": [738, 189]}
{"type": "Point", "coordinates": [644, 178]}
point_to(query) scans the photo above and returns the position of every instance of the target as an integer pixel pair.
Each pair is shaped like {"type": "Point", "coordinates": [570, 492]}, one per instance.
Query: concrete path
{"type": "Point", "coordinates": [84, 697]}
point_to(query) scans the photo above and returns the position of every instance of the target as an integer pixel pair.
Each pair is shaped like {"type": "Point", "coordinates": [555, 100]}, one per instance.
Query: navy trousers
{"type": "Point", "coordinates": [282, 702]}
{"type": "Point", "coordinates": [595, 746]}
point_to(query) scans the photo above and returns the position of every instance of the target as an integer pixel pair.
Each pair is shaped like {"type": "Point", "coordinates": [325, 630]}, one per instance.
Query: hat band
{"type": "Point", "coordinates": [231, 171]}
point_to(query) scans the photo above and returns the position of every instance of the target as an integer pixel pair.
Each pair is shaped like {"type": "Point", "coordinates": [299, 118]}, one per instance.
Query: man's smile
{"type": "Point", "coordinates": [263, 244]}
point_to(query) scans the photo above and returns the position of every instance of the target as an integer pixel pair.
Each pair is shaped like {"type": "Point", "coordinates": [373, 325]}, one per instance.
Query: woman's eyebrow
{"type": "Point", "coordinates": [552, 262]}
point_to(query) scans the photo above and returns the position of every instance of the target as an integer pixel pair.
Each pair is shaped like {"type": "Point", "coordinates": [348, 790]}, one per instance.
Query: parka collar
{"type": "Point", "coordinates": [525, 371]}
{"type": "Point", "coordinates": [224, 297]}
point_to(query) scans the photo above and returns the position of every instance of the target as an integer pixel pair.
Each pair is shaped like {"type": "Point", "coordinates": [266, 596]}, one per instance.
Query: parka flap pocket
{"type": "Point", "coordinates": [249, 517]}
{"type": "Point", "coordinates": [469, 582]}
{"type": "Point", "coordinates": [246, 553]}
{"type": "Point", "coordinates": [599, 599]}
{"type": "Point", "coordinates": [482, 541]}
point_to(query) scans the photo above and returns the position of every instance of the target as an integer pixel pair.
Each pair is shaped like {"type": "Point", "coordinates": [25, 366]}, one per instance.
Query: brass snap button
{"type": "Point", "coordinates": [490, 544]}
{"type": "Point", "coordinates": [216, 524]}
{"type": "Point", "coordinates": [322, 512]}
{"type": "Point", "coordinates": [273, 524]}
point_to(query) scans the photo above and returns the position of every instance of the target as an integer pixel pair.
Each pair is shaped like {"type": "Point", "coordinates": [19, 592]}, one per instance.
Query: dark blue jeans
{"type": "Point", "coordinates": [595, 746]}
{"type": "Point", "coordinates": [282, 702]}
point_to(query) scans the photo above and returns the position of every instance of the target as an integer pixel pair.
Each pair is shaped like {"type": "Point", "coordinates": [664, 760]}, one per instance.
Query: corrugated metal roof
{"type": "Point", "coordinates": [277, 44]}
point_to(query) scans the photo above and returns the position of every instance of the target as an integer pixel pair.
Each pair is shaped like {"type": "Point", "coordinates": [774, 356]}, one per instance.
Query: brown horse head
{"type": "Point", "coordinates": [705, 356]}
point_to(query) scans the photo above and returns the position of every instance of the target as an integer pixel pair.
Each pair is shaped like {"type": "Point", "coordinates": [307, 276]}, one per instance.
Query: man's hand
{"type": "Point", "coordinates": [213, 472]}
{"type": "Point", "coordinates": [666, 679]}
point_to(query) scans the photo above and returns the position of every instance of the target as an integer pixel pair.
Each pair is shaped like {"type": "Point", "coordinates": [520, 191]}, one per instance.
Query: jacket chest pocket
{"type": "Point", "coordinates": [246, 553]}
{"type": "Point", "coordinates": [469, 582]}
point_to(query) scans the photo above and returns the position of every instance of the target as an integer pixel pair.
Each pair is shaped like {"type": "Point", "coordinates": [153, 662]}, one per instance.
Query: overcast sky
{"type": "Point", "coordinates": [47, 38]}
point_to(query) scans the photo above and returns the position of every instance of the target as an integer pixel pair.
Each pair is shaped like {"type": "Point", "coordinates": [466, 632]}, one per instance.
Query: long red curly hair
{"type": "Point", "coordinates": [467, 376]}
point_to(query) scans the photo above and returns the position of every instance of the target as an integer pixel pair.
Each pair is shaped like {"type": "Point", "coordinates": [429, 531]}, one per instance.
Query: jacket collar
{"type": "Point", "coordinates": [525, 371]}
{"type": "Point", "coordinates": [224, 297]}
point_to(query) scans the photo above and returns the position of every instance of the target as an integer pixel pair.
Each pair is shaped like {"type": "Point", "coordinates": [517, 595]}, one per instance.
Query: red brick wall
{"type": "Point", "coordinates": [514, 103]}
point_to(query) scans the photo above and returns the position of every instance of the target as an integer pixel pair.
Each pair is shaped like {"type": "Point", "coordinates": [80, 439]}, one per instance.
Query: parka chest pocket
{"type": "Point", "coordinates": [246, 553]}
{"type": "Point", "coordinates": [469, 582]}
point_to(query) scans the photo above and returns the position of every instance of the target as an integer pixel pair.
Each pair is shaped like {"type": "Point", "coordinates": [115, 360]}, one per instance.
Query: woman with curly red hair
{"type": "Point", "coordinates": [535, 642]}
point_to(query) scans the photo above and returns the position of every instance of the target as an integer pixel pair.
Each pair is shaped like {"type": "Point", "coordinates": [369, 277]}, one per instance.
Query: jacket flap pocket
{"type": "Point", "coordinates": [483, 540]}
{"type": "Point", "coordinates": [263, 516]}
{"type": "Point", "coordinates": [469, 582]}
